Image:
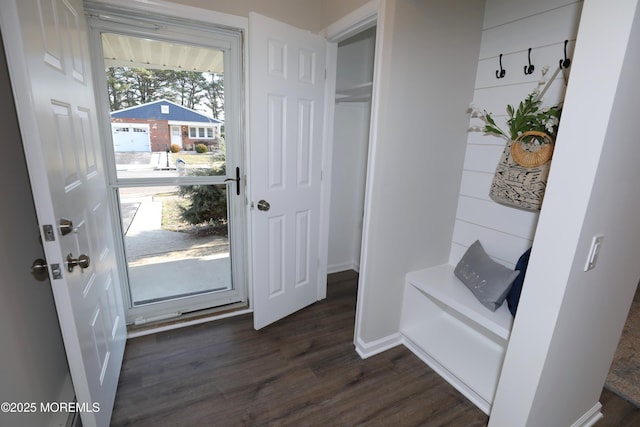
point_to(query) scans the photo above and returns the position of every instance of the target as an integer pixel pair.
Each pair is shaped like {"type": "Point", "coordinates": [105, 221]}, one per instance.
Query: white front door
{"type": "Point", "coordinates": [176, 136]}
{"type": "Point", "coordinates": [287, 67]}
{"type": "Point", "coordinates": [46, 46]}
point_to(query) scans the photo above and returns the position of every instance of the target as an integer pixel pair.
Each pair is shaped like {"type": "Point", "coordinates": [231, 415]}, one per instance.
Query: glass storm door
{"type": "Point", "coordinates": [180, 202]}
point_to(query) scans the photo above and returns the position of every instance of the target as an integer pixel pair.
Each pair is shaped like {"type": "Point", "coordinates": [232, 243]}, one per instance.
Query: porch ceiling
{"type": "Point", "coordinates": [127, 51]}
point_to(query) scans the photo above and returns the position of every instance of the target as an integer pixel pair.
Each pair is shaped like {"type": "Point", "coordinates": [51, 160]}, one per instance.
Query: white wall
{"type": "Point", "coordinates": [350, 150]}
{"type": "Point", "coordinates": [429, 55]}
{"type": "Point", "coordinates": [563, 345]}
{"type": "Point", "coordinates": [510, 28]}
{"type": "Point", "coordinates": [33, 365]}
{"type": "Point", "coordinates": [351, 137]}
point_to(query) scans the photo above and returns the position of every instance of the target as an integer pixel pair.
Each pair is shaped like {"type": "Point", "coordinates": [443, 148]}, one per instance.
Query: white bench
{"type": "Point", "coordinates": [446, 326]}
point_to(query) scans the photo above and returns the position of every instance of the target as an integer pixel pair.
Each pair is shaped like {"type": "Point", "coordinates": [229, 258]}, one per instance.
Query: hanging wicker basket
{"type": "Point", "coordinates": [532, 158]}
{"type": "Point", "coordinates": [521, 174]}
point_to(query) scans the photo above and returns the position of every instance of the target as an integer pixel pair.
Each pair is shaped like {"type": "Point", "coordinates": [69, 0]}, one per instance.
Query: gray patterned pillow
{"type": "Point", "coordinates": [488, 280]}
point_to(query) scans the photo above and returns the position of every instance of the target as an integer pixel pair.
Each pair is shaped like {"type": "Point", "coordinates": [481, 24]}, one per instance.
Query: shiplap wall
{"type": "Point", "coordinates": [510, 28]}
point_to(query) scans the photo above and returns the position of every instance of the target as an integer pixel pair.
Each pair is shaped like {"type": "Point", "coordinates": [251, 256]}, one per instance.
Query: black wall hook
{"type": "Point", "coordinates": [501, 72]}
{"type": "Point", "coordinates": [528, 69]}
{"type": "Point", "coordinates": [564, 63]}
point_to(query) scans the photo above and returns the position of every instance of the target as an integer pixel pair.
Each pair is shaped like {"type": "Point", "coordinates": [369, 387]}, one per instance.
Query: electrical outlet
{"type": "Point", "coordinates": [594, 251]}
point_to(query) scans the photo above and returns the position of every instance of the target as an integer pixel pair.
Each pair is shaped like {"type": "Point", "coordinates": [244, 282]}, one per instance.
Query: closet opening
{"type": "Point", "coordinates": [352, 118]}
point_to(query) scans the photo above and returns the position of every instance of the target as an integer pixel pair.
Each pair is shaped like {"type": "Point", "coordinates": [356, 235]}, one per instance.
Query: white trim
{"type": "Point", "coordinates": [368, 349]}
{"type": "Point", "coordinates": [359, 21]}
{"type": "Point", "coordinates": [115, 125]}
{"type": "Point", "coordinates": [355, 22]}
{"type": "Point", "coordinates": [166, 8]}
{"type": "Point", "coordinates": [180, 325]}
{"type": "Point", "coordinates": [345, 266]}
{"type": "Point", "coordinates": [369, 15]}
{"type": "Point", "coordinates": [327, 154]}
{"type": "Point", "coordinates": [179, 123]}
{"type": "Point", "coordinates": [590, 417]}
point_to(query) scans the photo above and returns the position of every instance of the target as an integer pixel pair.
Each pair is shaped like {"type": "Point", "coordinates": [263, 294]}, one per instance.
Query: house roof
{"type": "Point", "coordinates": [153, 110]}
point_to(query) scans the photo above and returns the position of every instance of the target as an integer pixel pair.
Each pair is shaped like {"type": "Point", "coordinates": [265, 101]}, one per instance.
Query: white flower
{"type": "Point", "coordinates": [551, 123]}
{"type": "Point", "coordinates": [544, 70]}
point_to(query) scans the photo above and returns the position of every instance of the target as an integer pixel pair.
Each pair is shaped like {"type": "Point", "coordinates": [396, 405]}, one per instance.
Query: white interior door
{"type": "Point", "coordinates": [46, 45]}
{"type": "Point", "coordinates": [287, 68]}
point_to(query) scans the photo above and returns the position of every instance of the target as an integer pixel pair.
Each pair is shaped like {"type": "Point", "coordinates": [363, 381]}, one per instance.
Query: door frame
{"type": "Point", "coordinates": [369, 15]}
{"type": "Point", "coordinates": [147, 16]}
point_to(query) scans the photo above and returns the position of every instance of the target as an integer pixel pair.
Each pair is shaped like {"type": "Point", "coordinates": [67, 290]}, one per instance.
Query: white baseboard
{"type": "Point", "coordinates": [591, 417]}
{"type": "Point", "coordinates": [368, 349]}
{"type": "Point", "coordinates": [345, 266]}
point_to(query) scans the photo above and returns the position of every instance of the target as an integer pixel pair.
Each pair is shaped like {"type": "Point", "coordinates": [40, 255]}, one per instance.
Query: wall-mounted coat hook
{"type": "Point", "coordinates": [564, 63]}
{"type": "Point", "coordinates": [528, 69]}
{"type": "Point", "coordinates": [501, 72]}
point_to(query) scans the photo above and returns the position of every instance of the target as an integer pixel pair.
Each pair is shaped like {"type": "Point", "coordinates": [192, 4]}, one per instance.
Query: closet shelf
{"type": "Point", "coordinates": [358, 93]}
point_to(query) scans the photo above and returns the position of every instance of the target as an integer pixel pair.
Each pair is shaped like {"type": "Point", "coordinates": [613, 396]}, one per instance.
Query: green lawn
{"type": "Point", "coordinates": [204, 159]}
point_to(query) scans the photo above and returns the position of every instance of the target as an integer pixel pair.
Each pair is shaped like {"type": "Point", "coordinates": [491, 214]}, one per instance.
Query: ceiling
{"type": "Point", "coordinates": [134, 52]}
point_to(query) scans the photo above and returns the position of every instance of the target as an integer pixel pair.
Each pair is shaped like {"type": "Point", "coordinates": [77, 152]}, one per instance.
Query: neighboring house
{"type": "Point", "coordinates": [156, 125]}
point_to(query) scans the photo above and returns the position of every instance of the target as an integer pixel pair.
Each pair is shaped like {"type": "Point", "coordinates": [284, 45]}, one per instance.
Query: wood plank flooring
{"type": "Point", "coordinates": [301, 371]}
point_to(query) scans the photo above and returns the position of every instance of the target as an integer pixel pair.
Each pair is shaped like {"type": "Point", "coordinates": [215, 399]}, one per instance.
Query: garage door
{"type": "Point", "coordinates": [131, 137]}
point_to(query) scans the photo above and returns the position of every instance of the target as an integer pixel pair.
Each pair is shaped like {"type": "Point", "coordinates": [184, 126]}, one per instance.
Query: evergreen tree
{"type": "Point", "coordinates": [208, 203]}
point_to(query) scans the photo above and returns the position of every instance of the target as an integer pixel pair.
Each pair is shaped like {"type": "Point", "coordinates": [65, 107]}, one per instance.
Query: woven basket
{"type": "Point", "coordinates": [520, 185]}
{"type": "Point", "coordinates": [532, 158]}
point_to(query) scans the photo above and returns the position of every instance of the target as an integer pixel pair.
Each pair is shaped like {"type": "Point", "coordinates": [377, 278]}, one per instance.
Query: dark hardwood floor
{"type": "Point", "coordinates": [300, 371]}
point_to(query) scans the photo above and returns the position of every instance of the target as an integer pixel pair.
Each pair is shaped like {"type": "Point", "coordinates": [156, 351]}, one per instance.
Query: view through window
{"type": "Point", "coordinates": [167, 108]}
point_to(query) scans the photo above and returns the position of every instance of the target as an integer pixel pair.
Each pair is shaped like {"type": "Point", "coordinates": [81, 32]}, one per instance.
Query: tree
{"type": "Point", "coordinates": [128, 87]}
{"type": "Point", "coordinates": [187, 86]}
{"type": "Point", "coordinates": [214, 94]}
{"type": "Point", "coordinates": [208, 203]}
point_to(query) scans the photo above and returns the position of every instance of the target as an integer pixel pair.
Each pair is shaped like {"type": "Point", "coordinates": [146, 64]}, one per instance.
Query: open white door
{"type": "Point", "coordinates": [287, 79]}
{"type": "Point", "coordinates": [48, 58]}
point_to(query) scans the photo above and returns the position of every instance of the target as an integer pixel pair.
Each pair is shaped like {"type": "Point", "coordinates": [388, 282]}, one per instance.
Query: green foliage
{"type": "Point", "coordinates": [208, 203]}
{"type": "Point", "coordinates": [201, 148]}
{"type": "Point", "coordinates": [528, 116]}
{"type": "Point", "coordinates": [175, 148]}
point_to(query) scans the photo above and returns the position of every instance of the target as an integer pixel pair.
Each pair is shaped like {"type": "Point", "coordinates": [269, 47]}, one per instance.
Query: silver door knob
{"type": "Point", "coordinates": [82, 261]}
{"type": "Point", "coordinates": [263, 205]}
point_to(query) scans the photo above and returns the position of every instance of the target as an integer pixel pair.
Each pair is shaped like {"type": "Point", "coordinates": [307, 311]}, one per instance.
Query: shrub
{"type": "Point", "coordinates": [175, 148]}
{"type": "Point", "coordinates": [201, 148]}
{"type": "Point", "coordinates": [208, 202]}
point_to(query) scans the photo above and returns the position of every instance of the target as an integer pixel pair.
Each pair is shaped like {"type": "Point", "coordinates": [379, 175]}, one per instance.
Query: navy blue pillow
{"type": "Point", "coordinates": [513, 297]}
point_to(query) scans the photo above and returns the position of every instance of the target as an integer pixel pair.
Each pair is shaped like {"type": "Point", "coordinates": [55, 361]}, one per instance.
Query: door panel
{"type": "Point", "coordinates": [287, 93]}
{"type": "Point", "coordinates": [47, 52]}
